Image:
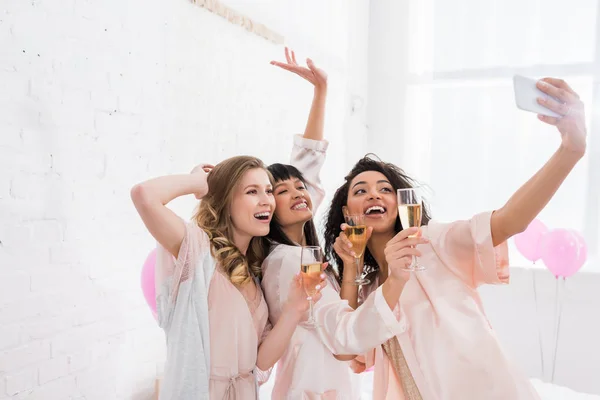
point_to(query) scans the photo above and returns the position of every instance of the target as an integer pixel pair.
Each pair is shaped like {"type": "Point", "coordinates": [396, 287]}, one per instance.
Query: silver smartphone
{"type": "Point", "coordinates": [526, 94]}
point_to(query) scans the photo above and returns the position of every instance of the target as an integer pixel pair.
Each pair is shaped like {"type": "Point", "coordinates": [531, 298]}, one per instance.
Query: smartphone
{"type": "Point", "coordinates": [526, 94]}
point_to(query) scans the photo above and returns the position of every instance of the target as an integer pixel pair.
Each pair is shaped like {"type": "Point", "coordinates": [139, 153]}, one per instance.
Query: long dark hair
{"type": "Point", "coordinates": [335, 216]}
{"type": "Point", "coordinates": [283, 172]}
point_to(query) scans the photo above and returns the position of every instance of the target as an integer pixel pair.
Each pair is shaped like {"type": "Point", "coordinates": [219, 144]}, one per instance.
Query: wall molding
{"type": "Point", "coordinates": [234, 17]}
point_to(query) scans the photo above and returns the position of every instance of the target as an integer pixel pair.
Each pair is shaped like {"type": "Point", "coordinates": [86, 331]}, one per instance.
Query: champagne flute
{"type": "Point", "coordinates": [311, 265]}
{"type": "Point", "coordinates": [356, 232]}
{"type": "Point", "coordinates": [410, 211]}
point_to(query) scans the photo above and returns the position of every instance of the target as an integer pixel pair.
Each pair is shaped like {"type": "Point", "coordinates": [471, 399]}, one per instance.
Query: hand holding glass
{"type": "Point", "coordinates": [356, 232]}
{"type": "Point", "coordinates": [410, 211]}
{"type": "Point", "coordinates": [311, 262]}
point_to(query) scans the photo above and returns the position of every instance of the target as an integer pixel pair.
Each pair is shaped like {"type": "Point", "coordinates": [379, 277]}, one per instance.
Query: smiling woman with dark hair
{"type": "Point", "coordinates": [393, 178]}
{"type": "Point", "coordinates": [446, 349]}
{"type": "Point", "coordinates": [314, 364]}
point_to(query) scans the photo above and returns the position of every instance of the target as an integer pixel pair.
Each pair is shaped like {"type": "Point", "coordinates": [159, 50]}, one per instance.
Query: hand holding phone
{"type": "Point", "coordinates": [526, 95]}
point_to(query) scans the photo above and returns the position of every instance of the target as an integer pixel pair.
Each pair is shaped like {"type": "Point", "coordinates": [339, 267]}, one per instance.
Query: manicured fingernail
{"type": "Point", "coordinates": [322, 276]}
{"type": "Point", "coordinates": [542, 99]}
{"type": "Point", "coordinates": [353, 254]}
{"type": "Point", "coordinates": [349, 244]}
{"type": "Point", "coordinates": [542, 83]}
{"type": "Point", "coordinates": [309, 298]}
{"type": "Point", "coordinates": [318, 287]}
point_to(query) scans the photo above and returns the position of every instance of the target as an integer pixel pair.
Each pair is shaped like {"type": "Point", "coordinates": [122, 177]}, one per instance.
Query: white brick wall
{"type": "Point", "coordinates": [95, 97]}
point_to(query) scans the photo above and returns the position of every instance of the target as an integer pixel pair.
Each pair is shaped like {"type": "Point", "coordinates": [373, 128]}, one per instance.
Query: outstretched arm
{"type": "Point", "coordinates": [318, 78]}
{"type": "Point", "coordinates": [533, 196]}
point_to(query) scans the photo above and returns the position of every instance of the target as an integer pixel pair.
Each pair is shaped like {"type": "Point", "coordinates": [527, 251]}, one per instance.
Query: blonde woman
{"type": "Point", "coordinates": [215, 318]}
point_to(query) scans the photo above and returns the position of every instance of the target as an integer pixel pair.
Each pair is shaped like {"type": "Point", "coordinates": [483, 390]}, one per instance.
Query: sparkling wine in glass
{"type": "Point", "coordinates": [311, 266]}
{"type": "Point", "coordinates": [356, 232]}
{"type": "Point", "coordinates": [410, 213]}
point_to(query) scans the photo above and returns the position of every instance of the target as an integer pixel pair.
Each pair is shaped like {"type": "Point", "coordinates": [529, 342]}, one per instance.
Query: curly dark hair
{"type": "Point", "coordinates": [335, 216]}
{"type": "Point", "coordinates": [282, 172]}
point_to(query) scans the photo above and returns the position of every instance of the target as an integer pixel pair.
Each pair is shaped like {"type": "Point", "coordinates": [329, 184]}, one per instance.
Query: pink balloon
{"type": "Point", "coordinates": [529, 241]}
{"type": "Point", "coordinates": [582, 250]}
{"type": "Point", "coordinates": [560, 252]}
{"type": "Point", "coordinates": [148, 287]}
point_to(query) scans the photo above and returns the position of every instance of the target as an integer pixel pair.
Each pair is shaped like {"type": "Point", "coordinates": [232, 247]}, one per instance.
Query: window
{"type": "Point", "coordinates": [473, 146]}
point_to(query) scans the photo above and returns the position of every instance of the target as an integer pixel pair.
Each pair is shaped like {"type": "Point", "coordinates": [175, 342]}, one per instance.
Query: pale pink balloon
{"type": "Point", "coordinates": [560, 252]}
{"type": "Point", "coordinates": [148, 287]}
{"type": "Point", "coordinates": [529, 241]}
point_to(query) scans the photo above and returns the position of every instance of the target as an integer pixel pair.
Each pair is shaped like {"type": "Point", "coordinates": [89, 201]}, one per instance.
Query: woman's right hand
{"type": "Point", "coordinates": [314, 75]}
{"type": "Point", "coordinates": [343, 246]}
{"type": "Point", "coordinates": [400, 250]}
{"type": "Point", "coordinates": [204, 170]}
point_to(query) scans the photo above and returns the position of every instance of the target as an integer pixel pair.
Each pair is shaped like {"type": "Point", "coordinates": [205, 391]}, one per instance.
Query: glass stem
{"type": "Point", "coordinates": [415, 262]}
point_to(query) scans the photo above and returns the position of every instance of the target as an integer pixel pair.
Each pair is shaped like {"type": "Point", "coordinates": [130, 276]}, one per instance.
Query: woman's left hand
{"type": "Point", "coordinates": [314, 75]}
{"type": "Point", "coordinates": [572, 123]}
{"type": "Point", "coordinates": [298, 300]}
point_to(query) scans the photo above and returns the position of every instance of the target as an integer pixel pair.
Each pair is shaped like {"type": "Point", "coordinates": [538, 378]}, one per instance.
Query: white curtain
{"type": "Point", "coordinates": [463, 133]}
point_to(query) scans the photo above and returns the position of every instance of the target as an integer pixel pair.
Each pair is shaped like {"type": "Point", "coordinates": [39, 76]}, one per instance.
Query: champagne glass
{"type": "Point", "coordinates": [410, 211]}
{"type": "Point", "coordinates": [311, 265]}
{"type": "Point", "coordinates": [356, 232]}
